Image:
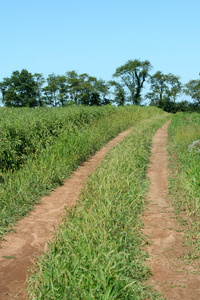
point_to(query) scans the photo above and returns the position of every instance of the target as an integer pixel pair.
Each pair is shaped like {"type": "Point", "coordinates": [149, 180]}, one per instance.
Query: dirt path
{"type": "Point", "coordinates": [171, 275]}
{"type": "Point", "coordinates": [33, 232]}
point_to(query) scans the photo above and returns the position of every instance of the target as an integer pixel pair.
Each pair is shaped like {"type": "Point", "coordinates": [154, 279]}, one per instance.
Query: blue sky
{"type": "Point", "coordinates": [96, 37]}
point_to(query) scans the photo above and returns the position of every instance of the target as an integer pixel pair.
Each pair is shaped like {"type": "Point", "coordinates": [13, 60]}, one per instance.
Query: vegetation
{"type": "Point", "coordinates": [24, 89]}
{"type": "Point", "coordinates": [25, 132]}
{"type": "Point", "coordinates": [185, 177]}
{"type": "Point", "coordinates": [96, 253]}
{"type": "Point", "coordinates": [41, 147]}
{"type": "Point", "coordinates": [133, 75]}
{"type": "Point", "coordinates": [164, 89]}
{"type": "Point", "coordinates": [192, 88]}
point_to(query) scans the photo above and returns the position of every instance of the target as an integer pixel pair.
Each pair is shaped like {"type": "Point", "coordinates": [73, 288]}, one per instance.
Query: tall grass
{"type": "Point", "coordinates": [185, 173]}
{"type": "Point", "coordinates": [26, 131]}
{"type": "Point", "coordinates": [50, 165]}
{"type": "Point", "coordinates": [96, 254]}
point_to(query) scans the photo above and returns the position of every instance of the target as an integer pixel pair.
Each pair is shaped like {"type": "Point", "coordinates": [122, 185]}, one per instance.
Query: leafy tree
{"type": "Point", "coordinates": [192, 88]}
{"type": "Point", "coordinates": [73, 84]}
{"type": "Point", "coordinates": [158, 88]}
{"type": "Point", "coordinates": [87, 90]}
{"type": "Point", "coordinates": [21, 89]}
{"type": "Point", "coordinates": [164, 90]}
{"type": "Point", "coordinates": [88, 94]}
{"type": "Point", "coordinates": [133, 75]}
{"type": "Point", "coordinates": [119, 93]}
{"type": "Point", "coordinates": [51, 90]}
{"type": "Point", "coordinates": [62, 96]}
{"type": "Point", "coordinates": [175, 85]}
{"type": "Point", "coordinates": [39, 80]}
{"type": "Point", "coordinates": [102, 88]}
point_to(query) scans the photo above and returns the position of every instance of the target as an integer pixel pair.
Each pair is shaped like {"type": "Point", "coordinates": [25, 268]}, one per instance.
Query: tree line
{"type": "Point", "coordinates": [24, 89]}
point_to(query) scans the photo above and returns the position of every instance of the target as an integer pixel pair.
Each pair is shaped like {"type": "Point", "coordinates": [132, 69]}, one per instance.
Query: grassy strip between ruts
{"type": "Point", "coordinates": [41, 173]}
{"type": "Point", "coordinates": [184, 182]}
{"type": "Point", "coordinates": [96, 253]}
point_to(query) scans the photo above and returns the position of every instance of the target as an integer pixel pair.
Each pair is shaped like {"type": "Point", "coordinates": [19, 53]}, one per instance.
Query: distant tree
{"type": "Point", "coordinates": [175, 85]}
{"type": "Point", "coordinates": [192, 88]}
{"type": "Point", "coordinates": [119, 93]}
{"type": "Point", "coordinates": [87, 90]}
{"type": "Point", "coordinates": [164, 90]}
{"type": "Point", "coordinates": [102, 88]}
{"type": "Point", "coordinates": [39, 80]}
{"type": "Point", "coordinates": [62, 96]}
{"type": "Point", "coordinates": [133, 75]}
{"type": "Point", "coordinates": [73, 85]}
{"type": "Point", "coordinates": [159, 88]}
{"type": "Point", "coordinates": [21, 89]}
{"type": "Point", "coordinates": [51, 91]}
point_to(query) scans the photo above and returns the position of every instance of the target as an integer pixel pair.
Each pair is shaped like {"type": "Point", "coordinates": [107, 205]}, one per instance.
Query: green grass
{"type": "Point", "coordinates": [50, 165]}
{"type": "Point", "coordinates": [25, 131]}
{"type": "Point", "coordinates": [184, 182]}
{"type": "Point", "coordinates": [97, 251]}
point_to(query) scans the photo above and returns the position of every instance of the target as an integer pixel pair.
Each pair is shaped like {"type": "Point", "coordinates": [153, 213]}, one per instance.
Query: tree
{"type": "Point", "coordinates": [175, 85]}
{"type": "Point", "coordinates": [133, 75]}
{"type": "Point", "coordinates": [164, 90]}
{"type": "Point", "coordinates": [192, 88]}
{"type": "Point", "coordinates": [119, 93]}
{"type": "Point", "coordinates": [51, 90]}
{"type": "Point", "coordinates": [21, 89]}
{"type": "Point", "coordinates": [62, 87]}
{"type": "Point", "coordinates": [158, 87]}
{"type": "Point", "coordinates": [39, 80]}
{"type": "Point", "coordinates": [87, 90]}
{"type": "Point", "coordinates": [73, 85]}
{"type": "Point", "coordinates": [101, 87]}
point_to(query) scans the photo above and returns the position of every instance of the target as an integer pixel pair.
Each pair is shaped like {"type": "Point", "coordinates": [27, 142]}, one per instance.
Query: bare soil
{"type": "Point", "coordinates": [166, 244]}
{"type": "Point", "coordinates": [33, 232]}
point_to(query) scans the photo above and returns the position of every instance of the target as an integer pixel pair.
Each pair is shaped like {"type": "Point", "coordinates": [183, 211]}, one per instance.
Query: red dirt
{"type": "Point", "coordinates": [33, 232]}
{"type": "Point", "coordinates": [166, 244]}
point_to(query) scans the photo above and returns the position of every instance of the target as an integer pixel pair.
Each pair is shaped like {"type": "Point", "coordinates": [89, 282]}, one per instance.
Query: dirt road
{"type": "Point", "coordinates": [171, 275]}
{"type": "Point", "coordinates": [33, 232]}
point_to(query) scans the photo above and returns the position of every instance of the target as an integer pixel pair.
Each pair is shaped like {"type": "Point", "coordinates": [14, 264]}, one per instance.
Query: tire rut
{"type": "Point", "coordinates": [34, 231]}
{"type": "Point", "coordinates": [166, 244]}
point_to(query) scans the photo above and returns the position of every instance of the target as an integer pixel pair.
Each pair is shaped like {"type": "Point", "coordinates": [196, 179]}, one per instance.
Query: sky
{"type": "Point", "coordinates": [96, 37]}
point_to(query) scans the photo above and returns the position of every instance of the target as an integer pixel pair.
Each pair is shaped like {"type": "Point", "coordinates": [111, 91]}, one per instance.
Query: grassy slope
{"type": "Point", "coordinates": [48, 168]}
{"type": "Point", "coordinates": [97, 251]}
{"type": "Point", "coordinates": [185, 176]}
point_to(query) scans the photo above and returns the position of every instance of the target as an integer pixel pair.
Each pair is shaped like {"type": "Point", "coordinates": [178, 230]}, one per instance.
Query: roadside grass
{"type": "Point", "coordinates": [49, 166]}
{"type": "Point", "coordinates": [97, 251]}
{"type": "Point", "coordinates": [184, 181]}
{"type": "Point", "coordinates": [26, 131]}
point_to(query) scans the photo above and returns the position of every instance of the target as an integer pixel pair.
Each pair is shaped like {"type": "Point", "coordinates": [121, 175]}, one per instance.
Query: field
{"type": "Point", "coordinates": [97, 253]}
{"type": "Point", "coordinates": [39, 148]}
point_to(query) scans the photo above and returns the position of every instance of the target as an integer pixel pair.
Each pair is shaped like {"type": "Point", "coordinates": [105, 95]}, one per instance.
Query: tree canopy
{"type": "Point", "coordinates": [165, 89]}
{"type": "Point", "coordinates": [133, 75]}
{"type": "Point", "coordinates": [23, 89]}
{"type": "Point", "coordinates": [192, 88]}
